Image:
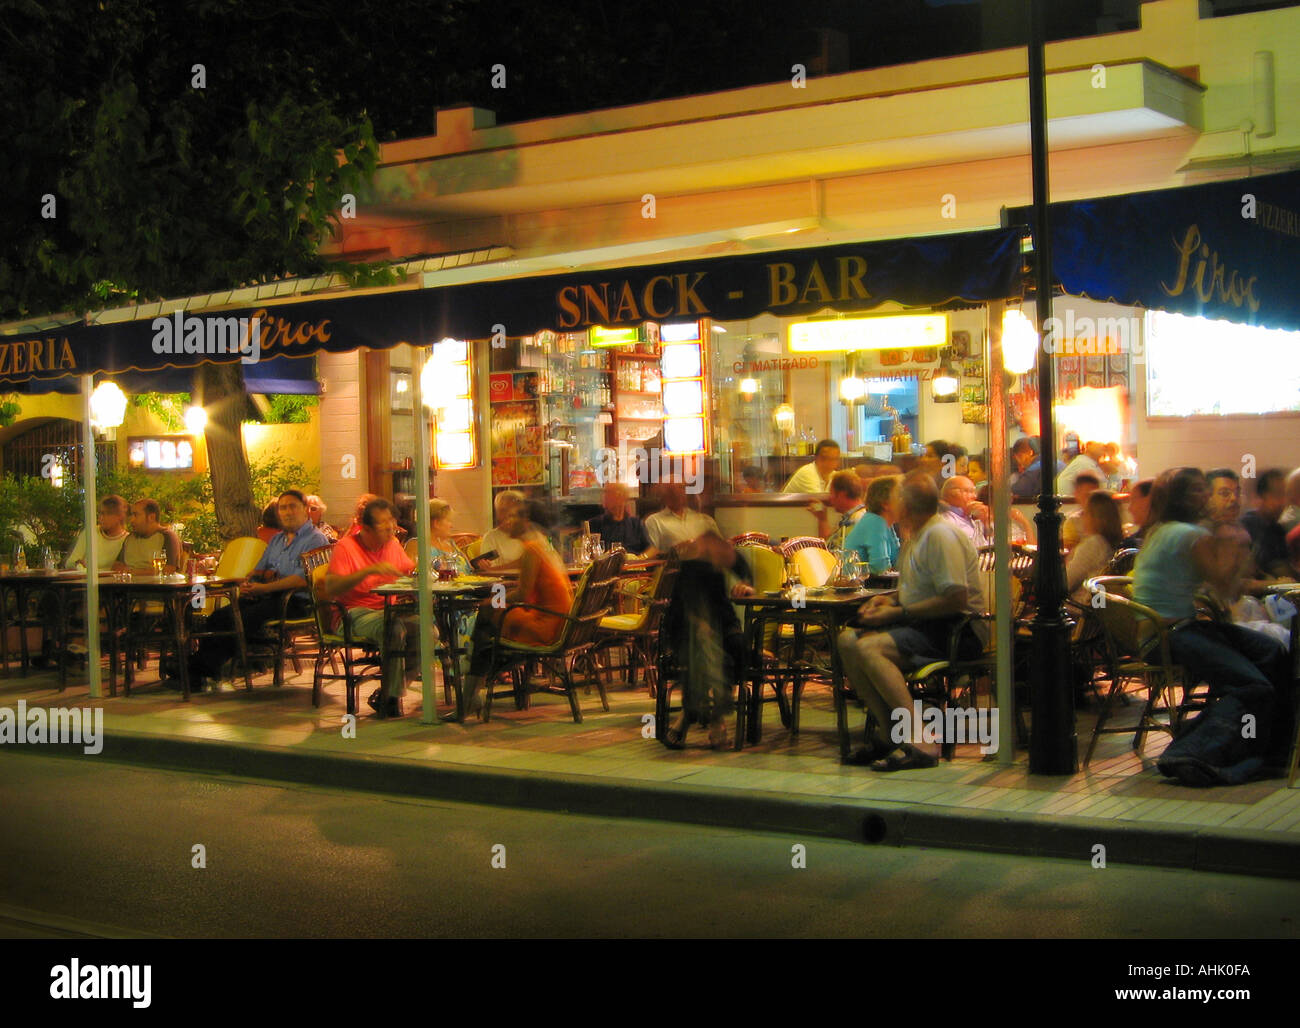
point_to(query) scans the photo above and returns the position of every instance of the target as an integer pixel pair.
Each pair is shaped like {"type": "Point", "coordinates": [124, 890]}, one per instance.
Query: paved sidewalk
{"type": "Point", "coordinates": [540, 759]}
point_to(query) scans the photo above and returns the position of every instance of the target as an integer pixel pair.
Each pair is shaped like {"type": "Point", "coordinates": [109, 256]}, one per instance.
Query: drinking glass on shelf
{"type": "Point", "coordinates": [159, 561]}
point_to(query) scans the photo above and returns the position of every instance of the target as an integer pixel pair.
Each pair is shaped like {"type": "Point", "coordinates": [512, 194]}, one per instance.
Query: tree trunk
{"type": "Point", "coordinates": [221, 387]}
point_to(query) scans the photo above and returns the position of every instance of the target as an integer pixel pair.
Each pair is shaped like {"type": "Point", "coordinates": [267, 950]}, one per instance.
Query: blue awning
{"type": "Point", "coordinates": [296, 375]}
{"type": "Point", "coordinates": [1228, 250]}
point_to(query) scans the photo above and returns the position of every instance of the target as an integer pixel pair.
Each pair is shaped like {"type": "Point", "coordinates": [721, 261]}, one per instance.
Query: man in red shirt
{"type": "Point", "coordinates": [370, 558]}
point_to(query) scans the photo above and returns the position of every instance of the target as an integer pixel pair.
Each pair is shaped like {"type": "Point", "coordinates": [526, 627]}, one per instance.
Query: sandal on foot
{"type": "Point", "coordinates": [905, 758]}
{"type": "Point", "coordinates": [865, 756]}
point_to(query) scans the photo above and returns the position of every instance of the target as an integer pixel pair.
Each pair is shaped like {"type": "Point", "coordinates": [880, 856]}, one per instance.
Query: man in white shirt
{"type": "Point", "coordinates": [939, 583]}
{"type": "Point", "coordinates": [1088, 460]}
{"type": "Point", "coordinates": [676, 523]}
{"type": "Point", "coordinates": [815, 477]}
{"type": "Point", "coordinates": [112, 532]}
{"type": "Point", "coordinates": [509, 552]}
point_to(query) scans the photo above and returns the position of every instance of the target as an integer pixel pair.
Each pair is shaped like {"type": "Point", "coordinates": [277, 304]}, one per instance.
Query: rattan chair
{"type": "Point", "coordinates": [1137, 646]}
{"type": "Point", "coordinates": [638, 633]}
{"type": "Point", "coordinates": [573, 647]}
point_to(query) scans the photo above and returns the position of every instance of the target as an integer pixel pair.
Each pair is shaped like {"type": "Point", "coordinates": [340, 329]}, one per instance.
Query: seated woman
{"type": "Point", "coordinates": [1247, 671]}
{"type": "Point", "coordinates": [1102, 534]}
{"type": "Point", "coordinates": [703, 634]}
{"type": "Point", "coordinates": [441, 546]}
{"type": "Point", "coordinates": [543, 582]}
{"type": "Point", "coordinates": [873, 537]}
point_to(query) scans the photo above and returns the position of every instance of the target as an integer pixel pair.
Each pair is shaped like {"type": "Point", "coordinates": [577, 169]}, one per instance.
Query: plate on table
{"type": "Point", "coordinates": [475, 580]}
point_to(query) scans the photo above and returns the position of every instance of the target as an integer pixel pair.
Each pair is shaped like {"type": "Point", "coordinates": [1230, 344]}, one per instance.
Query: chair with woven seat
{"type": "Point", "coordinates": [361, 659]}
{"type": "Point", "coordinates": [751, 539]}
{"type": "Point", "coordinates": [1137, 646]}
{"type": "Point", "coordinates": [289, 631]}
{"type": "Point", "coordinates": [573, 647]}
{"type": "Point", "coordinates": [801, 542]}
{"type": "Point", "coordinates": [638, 633]}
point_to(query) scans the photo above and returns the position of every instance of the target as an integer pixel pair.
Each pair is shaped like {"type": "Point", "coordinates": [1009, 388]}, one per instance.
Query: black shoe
{"type": "Point", "coordinates": [394, 708]}
{"type": "Point", "coordinates": [373, 700]}
{"type": "Point", "coordinates": [865, 756]}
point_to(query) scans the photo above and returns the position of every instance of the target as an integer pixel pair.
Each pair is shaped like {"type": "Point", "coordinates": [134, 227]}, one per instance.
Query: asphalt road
{"type": "Point", "coordinates": [90, 848]}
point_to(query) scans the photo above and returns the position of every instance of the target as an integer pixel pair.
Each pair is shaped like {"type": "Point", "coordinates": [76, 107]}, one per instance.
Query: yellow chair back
{"type": "Point", "coordinates": [815, 565]}
{"type": "Point", "coordinates": [474, 548]}
{"type": "Point", "coordinates": [237, 560]}
{"type": "Point", "coordinates": [766, 564]}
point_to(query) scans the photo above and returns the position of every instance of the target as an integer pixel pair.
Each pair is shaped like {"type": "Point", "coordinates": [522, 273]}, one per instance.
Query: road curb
{"type": "Point", "coordinates": [1237, 851]}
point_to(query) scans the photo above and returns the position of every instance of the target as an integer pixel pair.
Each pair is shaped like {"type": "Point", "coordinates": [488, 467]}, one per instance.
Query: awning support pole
{"type": "Point", "coordinates": [1001, 495]}
{"type": "Point", "coordinates": [424, 561]}
{"type": "Point", "coordinates": [1053, 744]}
{"type": "Point", "coordinates": [88, 472]}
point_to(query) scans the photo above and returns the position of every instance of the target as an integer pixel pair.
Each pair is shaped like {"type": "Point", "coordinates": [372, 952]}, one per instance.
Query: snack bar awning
{"type": "Point", "coordinates": [919, 272]}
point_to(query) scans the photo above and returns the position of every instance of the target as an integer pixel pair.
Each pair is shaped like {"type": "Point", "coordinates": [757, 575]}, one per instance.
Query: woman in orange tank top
{"type": "Point", "coordinates": [543, 582]}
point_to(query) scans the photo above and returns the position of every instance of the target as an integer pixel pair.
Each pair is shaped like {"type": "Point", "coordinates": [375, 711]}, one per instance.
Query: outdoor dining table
{"type": "Point", "coordinates": [829, 608]}
{"type": "Point", "coordinates": [181, 597]}
{"type": "Point", "coordinates": [451, 598]}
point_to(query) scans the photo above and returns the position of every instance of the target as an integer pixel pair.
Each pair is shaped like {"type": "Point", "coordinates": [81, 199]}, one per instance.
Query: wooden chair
{"type": "Point", "coordinates": [638, 634]}
{"type": "Point", "coordinates": [814, 565]}
{"type": "Point", "coordinates": [574, 645]}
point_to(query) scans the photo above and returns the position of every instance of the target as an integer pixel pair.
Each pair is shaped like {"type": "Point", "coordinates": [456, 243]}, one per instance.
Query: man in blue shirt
{"type": "Point", "coordinates": [261, 598]}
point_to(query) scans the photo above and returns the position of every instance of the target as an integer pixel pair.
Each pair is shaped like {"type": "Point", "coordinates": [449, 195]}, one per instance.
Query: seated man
{"type": "Point", "coordinates": [261, 598]}
{"type": "Point", "coordinates": [370, 558]}
{"type": "Point", "coordinates": [959, 507]}
{"type": "Point", "coordinates": [1085, 484]}
{"type": "Point", "coordinates": [845, 497]}
{"type": "Point", "coordinates": [1139, 510]}
{"type": "Point", "coordinates": [676, 522]}
{"type": "Point", "coordinates": [615, 525]}
{"type": "Point", "coordinates": [939, 583]}
{"type": "Point", "coordinates": [506, 551]}
{"type": "Point", "coordinates": [1087, 462]}
{"type": "Point", "coordinates": [148, 537]}
{"type": "Point", "coordinates": [1267, 536]}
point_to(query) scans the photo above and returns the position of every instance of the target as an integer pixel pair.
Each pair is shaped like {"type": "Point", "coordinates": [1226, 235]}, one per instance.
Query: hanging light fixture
{"type": "Point", "coordinates": [196, 419]}
{"type": "Point", "coordinates": [107, 406]}
{"type": "Point", "coordinates": [944, 385]}
{"type": "Point", "coordinates": [1019, 342]}
{"type": "Point", "coordinates": [748, 387]}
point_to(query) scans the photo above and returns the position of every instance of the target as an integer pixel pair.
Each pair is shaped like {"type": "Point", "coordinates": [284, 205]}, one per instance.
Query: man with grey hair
{"type": "Point", "coordinates": [615, 525]}
{"type": "Point", "coordinates": [939, 584]}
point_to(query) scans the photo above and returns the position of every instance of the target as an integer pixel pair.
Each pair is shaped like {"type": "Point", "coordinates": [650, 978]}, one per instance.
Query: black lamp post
{"type": "Point", "coordinates": [1053, 744]}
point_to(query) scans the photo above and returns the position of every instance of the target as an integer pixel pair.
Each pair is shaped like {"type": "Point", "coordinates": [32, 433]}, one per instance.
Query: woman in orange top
{"type": "Point", "coordinates": [543, 582]}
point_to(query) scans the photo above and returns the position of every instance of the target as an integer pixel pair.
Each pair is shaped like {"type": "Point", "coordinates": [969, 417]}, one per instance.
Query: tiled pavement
{"type": "Point", "coordinates": [540, 758]}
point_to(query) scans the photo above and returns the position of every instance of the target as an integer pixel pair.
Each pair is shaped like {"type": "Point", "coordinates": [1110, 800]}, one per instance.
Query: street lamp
{"type": "Point", "coordinates": [196, 419]}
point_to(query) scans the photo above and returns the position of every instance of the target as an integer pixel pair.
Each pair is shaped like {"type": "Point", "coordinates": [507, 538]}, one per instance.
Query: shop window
{"type": "Point", "coordinates": [1201, 367]}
